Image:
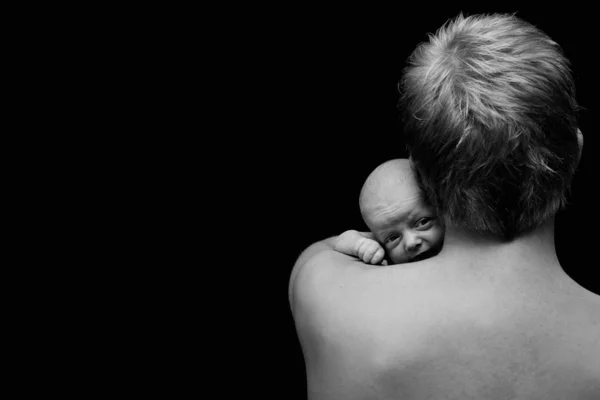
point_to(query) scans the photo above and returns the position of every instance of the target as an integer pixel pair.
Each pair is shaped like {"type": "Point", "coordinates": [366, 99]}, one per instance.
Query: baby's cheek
{"type": "Point", "coordinates": [438, 236]}
{"type": "Point", "coordinates": [397, 255]}
{"type": "Point", "coordinates": [433, 238]}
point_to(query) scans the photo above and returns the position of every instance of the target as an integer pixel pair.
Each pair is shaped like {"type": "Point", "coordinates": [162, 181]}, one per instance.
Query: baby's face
{"type": "Point", "coordinates": [405, 226]}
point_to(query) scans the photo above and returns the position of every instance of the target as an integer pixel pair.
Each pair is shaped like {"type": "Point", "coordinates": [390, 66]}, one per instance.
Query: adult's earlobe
{"type": "Point", "coordinates": [580, 145]}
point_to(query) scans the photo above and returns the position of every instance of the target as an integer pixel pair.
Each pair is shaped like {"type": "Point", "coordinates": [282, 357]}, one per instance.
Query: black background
{"type": "Point", "coordinates": [327, 116]}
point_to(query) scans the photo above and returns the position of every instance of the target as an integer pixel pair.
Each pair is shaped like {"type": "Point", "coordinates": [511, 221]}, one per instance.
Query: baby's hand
{"type": "Point", "coordinates": [370, 251]}
{"type": "Point", "coordinates": [356, 244]}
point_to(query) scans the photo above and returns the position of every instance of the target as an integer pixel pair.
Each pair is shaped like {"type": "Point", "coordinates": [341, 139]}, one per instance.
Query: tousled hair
{"type": "Point", "coordinates": [490, 121]}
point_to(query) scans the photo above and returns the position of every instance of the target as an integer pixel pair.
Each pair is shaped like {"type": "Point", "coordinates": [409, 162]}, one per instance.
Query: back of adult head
{"type": "Point", "coordinates": [490, 119]}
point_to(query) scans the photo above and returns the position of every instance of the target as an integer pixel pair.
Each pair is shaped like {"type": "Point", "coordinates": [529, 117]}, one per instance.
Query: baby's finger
{"type": "Point", "coordinates": [379, 254]}
{"type": "Point", "coordinates": [363, 249]}
{"type": "Point", "coordinates": [367, 255]}
{"type": "Point", "coordinates": [370, 253]}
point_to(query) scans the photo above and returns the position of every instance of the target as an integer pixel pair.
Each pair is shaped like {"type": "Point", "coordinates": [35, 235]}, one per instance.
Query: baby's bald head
{"type": "Point", "coordinates": [386, 179]}
{"type": "Point", "coordinates": [396, 213]}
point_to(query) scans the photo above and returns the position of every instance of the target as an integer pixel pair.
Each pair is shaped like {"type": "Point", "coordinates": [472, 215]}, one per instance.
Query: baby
{"type": "Point", "coordinates": [403, 228]}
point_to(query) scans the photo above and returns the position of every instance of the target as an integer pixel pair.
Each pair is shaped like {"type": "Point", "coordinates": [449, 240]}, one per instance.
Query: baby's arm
{"type": "Point", "coordinates": [361, 245]}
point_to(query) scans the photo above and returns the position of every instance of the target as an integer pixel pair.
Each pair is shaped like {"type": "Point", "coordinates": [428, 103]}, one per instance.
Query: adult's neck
{"type": "Point", "coordinates": [534, 251]}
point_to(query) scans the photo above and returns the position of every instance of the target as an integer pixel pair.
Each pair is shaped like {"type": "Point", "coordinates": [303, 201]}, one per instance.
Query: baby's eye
{"type": "Point", "coordinates": [391, 239]}
{"type": "Point", "coordinates": [425, 222]}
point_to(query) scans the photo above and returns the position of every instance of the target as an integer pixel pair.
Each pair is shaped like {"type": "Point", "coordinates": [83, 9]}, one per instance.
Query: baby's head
{"type": "Point", "coordinates": [393, 208]}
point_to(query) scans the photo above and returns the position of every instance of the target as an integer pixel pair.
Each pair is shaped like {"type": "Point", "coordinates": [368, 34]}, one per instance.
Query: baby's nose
{"type": "Point", "coordinates": [413, 243]}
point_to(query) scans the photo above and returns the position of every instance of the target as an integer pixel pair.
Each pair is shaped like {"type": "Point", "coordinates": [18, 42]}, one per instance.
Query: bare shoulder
{"type": "Point", "coordinates": [360, 304]}
{"type": "Point", "coordinates": [580, 308]}
{"type": "Point", "coordinates": [318, 269]}
{"type": "Point", "coordinates": [405, 329]}
{"type": "Point", "coordinates": [583, 321]}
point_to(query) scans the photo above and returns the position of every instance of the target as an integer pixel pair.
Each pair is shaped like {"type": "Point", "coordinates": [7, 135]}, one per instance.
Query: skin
{"type": "Point", "coordinates": [403, 228]}
{"type": "Point", "coordinates": [393, 209]}
{"type": "Point", "coordinates": [484, 319]}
